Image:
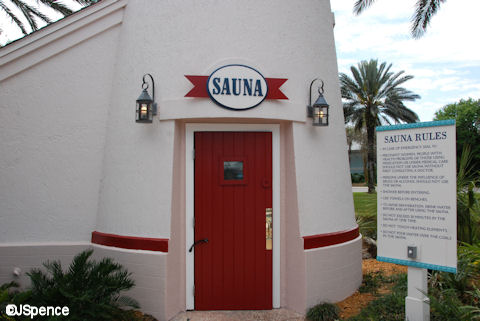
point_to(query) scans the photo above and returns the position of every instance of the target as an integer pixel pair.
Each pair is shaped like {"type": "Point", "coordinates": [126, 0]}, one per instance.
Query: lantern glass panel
{"type": "Point", "coordinates": [316, 115]}
{"type": "Point", "coordinates": [144, 112]}
{"type": "Point", "coordinates": [324, 115]}
{"type": "Point", "coordinates": [320, 116]}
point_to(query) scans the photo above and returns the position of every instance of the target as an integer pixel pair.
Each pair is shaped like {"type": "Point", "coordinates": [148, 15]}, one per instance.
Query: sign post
{"type": "Point", "coordinates": [417, 212]}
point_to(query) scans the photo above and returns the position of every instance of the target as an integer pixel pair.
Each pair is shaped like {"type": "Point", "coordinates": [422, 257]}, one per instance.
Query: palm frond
{"type": "Point", "coordinates": [373, 97]}
{"type": "Point", "coordinates": [31, 15]}
{"type": "Point", "coordinates": [126, 301]}
{"type": "Point", "coordinates": [27, 13]}
{"type": "Point", "coordinates": [57, 6]}
{"type": "Point", "coordinates": [12, 16]}
{"type": "Point", "coordinates": [86, 2]}
{"type": "Point", "coordinates": [425, 10]}
{"type": "Point", "coordinates": [35, 12]}
{"type": "Point", "coordinates": [361, 5]}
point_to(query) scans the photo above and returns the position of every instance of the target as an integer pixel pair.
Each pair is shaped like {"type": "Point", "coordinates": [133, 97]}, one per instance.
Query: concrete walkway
{"type": "Point", "coordinates": [356, 189]}
{"type": "Point", "coordinates": [268, 315]}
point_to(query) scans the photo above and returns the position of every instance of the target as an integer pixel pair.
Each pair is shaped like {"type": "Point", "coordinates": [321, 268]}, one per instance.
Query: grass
{"type": "Point", "coordinates": [366, 213]}
{"type": "Point", "coordinates": [365, 203]}
{"type": "Point", "coordinates": [372, 282]}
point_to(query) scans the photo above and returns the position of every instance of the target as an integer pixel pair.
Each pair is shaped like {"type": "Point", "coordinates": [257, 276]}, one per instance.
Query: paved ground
{"type": "Point", "coordinates": [359, 189]}
{"type": "Point", "coordinates": [270, 315]}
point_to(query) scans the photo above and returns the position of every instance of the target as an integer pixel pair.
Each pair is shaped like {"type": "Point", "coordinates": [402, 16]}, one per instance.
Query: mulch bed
{"type": "Point", "coordinates": [355, 303]}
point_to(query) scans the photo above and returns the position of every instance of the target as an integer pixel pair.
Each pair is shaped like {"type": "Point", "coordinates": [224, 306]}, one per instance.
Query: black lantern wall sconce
{"type": "Point", "coordinates": [146, 106]}
{"type": "Point", "coordinates": [319, 110]}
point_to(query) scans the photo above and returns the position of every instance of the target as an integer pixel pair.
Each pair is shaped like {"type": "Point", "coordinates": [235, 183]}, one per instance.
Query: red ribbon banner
{"type": "Point", "coordinates": [199, 89]}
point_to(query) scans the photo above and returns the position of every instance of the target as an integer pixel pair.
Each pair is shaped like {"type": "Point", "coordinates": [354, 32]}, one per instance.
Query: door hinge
{"type": "Point", "coordinates": [193, 222]}
{"type": "Point", "coordinates": [193, 154]}
{"type": "Point", "coordinates": [193, 290]}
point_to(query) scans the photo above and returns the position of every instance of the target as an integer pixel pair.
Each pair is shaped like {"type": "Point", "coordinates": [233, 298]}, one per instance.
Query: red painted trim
{"type": "Point", "coordinates": [321, 240]}
{"type": "Point", "coordinates": [130, 242]}
{"type": "Point", "coordinates": [274, 91]}
{"type": "Point", "coordinates": [199, 86]}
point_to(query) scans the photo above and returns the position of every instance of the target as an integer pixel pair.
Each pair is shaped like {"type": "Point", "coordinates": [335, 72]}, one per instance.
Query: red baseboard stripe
{"type": "Point", "coordinates": [321, 240]}
{"type": "Point", "coordinates": [130, 242]}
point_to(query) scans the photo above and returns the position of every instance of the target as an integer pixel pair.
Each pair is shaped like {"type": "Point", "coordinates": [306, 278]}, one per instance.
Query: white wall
{"type": "Point", "coordinates": [333, 272]}
{"type": "Point", "coordinates": [325, 200]}
{"type": "Point", "coordinates": [52, 129]}
{"type": "Point", "coordinates": [51, 160]}
{"type": "Point", "coordinates": [282, 39]}
{"type": "Point", "coordinates": [149, 271]}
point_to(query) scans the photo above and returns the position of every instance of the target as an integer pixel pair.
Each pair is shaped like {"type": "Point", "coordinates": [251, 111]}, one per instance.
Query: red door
{"type": "Point", "coordinates": [233, 198]}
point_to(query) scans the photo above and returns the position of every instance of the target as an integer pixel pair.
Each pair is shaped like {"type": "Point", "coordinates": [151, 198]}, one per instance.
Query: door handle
{"type": "Point", "coordinates": [196, 243]}
{"type": "Point", "coordinates": [268, 228]}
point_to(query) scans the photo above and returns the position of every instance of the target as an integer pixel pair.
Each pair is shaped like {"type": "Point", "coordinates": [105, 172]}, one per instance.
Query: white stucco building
{"type": "Point", "coordinates": [77, 171]}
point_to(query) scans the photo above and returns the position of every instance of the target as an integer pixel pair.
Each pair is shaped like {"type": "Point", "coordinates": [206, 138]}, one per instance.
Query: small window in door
{"type": "Point", "coordinates": [233, 170]}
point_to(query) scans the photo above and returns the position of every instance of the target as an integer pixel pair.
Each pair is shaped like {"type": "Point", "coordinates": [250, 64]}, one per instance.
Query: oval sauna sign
{"type": "Point", "coordinates": [237, 87]}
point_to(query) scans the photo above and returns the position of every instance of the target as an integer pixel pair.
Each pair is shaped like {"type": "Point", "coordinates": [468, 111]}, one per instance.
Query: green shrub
{"type": "Point", "coordinates": [323, 312]}
{"type": "Point", "coordinates": [468, 206]}
{"type": "Point", "coordinates": [446, 306]}
{"type": "Point", "coordinates": [371, 282]}
{"type": "Point", "coordinates": [357, 178]}
{"type": "Point", "coordinates": [367, 225]}
{"type": "Point", "coordinates": [473, 311]}
{"type": "Point", "coordinates": [9, 294]}
{"type": "Point", "coordinates": [455, 296]}
{"type": "Point", "coordinates": [90, 289]}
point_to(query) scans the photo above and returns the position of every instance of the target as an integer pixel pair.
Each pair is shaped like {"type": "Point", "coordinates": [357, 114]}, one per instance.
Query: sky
{"type": "Point", "coordinates": [445, 62]}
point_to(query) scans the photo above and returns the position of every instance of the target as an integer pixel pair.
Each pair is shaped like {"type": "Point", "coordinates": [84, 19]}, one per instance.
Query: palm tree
{"type": "Point", "coordinates": [32, 14]}
{"type": "Point", "coordinates": [424, 11]}
{"type": "Point", "coordinates": [359, 137]}
{"type": "Point", "coordinates": [374, 97]}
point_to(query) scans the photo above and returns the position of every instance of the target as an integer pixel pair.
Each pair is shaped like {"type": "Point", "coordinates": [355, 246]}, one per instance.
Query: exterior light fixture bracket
{"type": "Point", "coordinates": [318, 111]}
{"type": "Point", "coordinates": [146, 106]}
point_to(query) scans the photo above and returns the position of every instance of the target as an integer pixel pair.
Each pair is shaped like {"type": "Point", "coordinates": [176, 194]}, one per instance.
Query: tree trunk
{"type": "Point", "coordinates": [364, 161]}
{"type": "Point", "coordinates": [370, 122]}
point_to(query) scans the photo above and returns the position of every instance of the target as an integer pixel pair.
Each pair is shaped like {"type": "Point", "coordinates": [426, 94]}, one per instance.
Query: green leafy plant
{"type": "Point", "coordinates": [473, 311]}
{"type": "Point", "coordinates": [446, 306]}
{"type": "Point", "coordinates": [372, 281]}
{"type": "Point", "coordinates": [466, 113]}
{"type": "Point", "coordinates": [367, 225]}
{"type": "Point", "coordinates": [323, 312]}
{"type": "Point", "coordinates": [456, 296]}
{"type": "Point", "coordinates": [468, 207]}
{"type": "Point", "coordinates": [10, 294]}
{"type": "Point", "coordinates": [357, 178]}
{"type": "Point", "coordinates": [90, 289]}
{"type": "Point", "coordinates": [366, 213]}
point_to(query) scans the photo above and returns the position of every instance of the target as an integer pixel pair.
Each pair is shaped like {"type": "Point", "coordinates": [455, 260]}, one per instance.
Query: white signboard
{"type": "Point", "coordinates": [416, 177]}
{"type": "Point", "coordinates": [237, 87]}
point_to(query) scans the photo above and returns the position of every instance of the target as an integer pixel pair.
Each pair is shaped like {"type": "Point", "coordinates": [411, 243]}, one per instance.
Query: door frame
{"type": "Point", "coordinates": [190, 129]}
